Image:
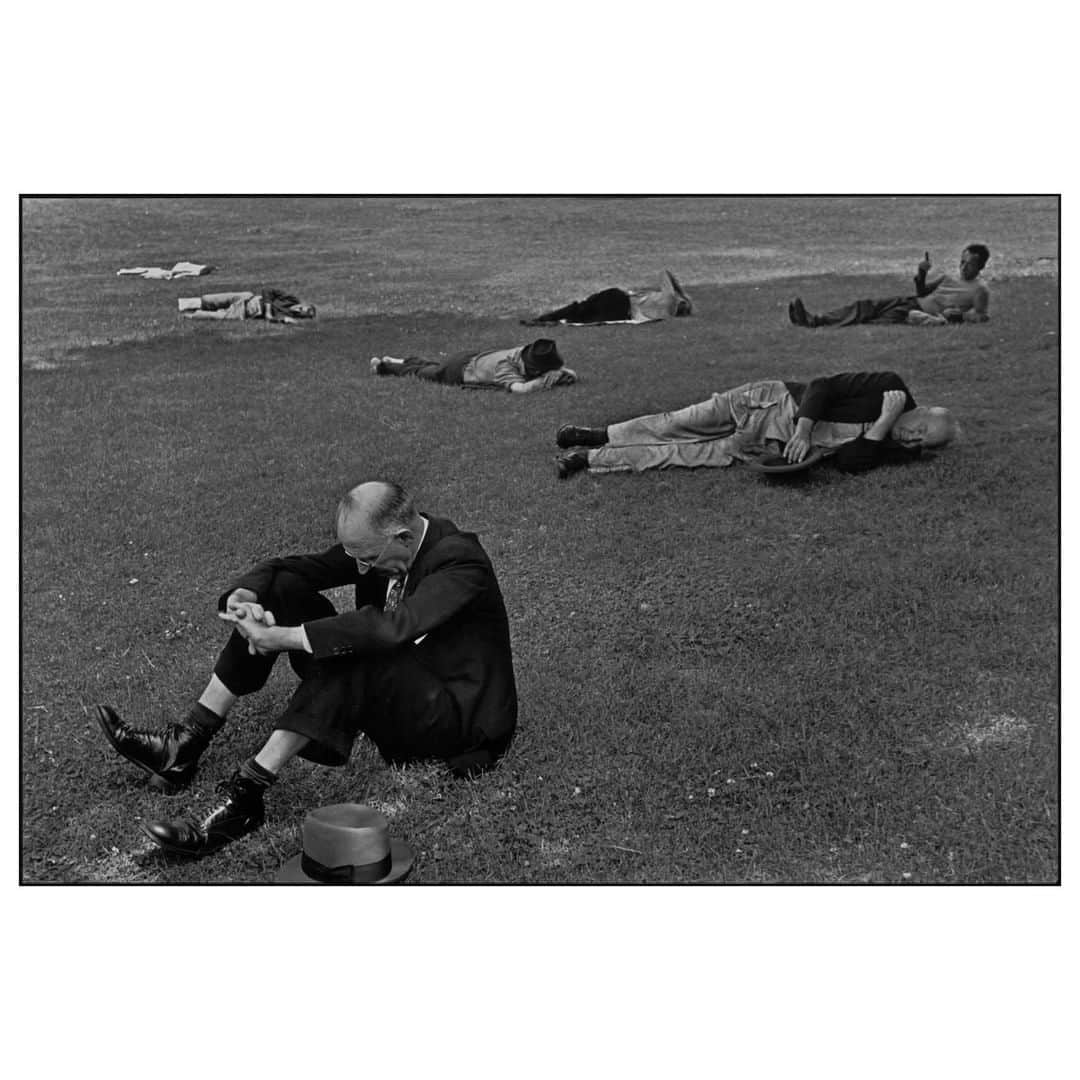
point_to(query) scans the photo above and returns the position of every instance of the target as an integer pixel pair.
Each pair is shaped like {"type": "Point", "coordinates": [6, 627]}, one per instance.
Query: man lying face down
{"type": "Point", "coordinates": [521, 370]}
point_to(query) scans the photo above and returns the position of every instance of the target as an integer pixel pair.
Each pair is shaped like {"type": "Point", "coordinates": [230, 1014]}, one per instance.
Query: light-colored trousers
{"type": "Point", "coordinates": [234, 305]}
{"type": "Point", "coordinates": [735, 425]}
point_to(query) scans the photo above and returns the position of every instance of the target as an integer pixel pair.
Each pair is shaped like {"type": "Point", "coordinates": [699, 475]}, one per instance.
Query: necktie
{"type": "Point", "coordinates": [393, 595]}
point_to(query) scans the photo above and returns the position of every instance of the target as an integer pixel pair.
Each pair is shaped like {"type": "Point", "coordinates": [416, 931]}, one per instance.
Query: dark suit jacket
{"type": "Point", "coordinates": [451, 595]}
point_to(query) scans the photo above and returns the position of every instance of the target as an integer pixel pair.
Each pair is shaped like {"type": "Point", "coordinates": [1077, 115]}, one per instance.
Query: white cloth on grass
{"type": "Point", "coordinates": [158, 273]}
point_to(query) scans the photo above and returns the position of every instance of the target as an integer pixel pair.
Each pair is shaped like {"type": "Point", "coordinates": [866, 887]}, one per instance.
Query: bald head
{"type": "Point", "coordinates": [926, 425]}
{"type": "Point", "coordinates": [377, 506]}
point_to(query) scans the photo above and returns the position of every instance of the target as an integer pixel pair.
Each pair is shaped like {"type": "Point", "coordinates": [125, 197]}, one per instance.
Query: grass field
{"type": "Point", "coordinates": [723, 679]}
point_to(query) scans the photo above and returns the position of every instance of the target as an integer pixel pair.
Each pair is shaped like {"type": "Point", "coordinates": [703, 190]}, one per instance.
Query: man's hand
{"type": "Point", "coordinates": [798, 446]}
{"type": "Point", "coordinates": [558, 377]}
{"type": "Point", "coordinates": [924, 266]}
{"type": "Point", "coordinates": [262, 635]}
{"type": "Point", "coordinates": [244, 604]}
{"type": "Point", "coordinates": [244, 611]}
{"type": "Point", "coordinates": [892, 405]}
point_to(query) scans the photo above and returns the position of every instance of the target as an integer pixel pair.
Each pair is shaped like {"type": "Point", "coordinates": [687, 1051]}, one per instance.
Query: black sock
{"type": "Point", "coordinates": [204, 720]}
{"type": "Point", "coordinates": [252, 770]}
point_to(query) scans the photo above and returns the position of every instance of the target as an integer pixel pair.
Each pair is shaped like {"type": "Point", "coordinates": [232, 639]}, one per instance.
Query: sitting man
{"type": "Point", "coordinates": [270, 304]}
{"type": "Point", "coordinates": [621, 306]}
{"type": "Point", "coordinates": [422, 666]}
{"type": "Point", "coordinates": [935, 303]}
{"type": "Point", "coordinates": [860, 419]}
{"type": "Point", "coordinates": [537, 366]}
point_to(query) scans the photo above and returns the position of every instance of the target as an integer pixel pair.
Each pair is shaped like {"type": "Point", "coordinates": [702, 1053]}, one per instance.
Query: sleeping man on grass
{"type": "Point", "coordinates": [937, 302]}
{"type": "Point", "coordinates": [859, 419]}
{"type": "Point", "coordinates": [521, 370]}
{"type": "Point", "coordinates": [616, 305]}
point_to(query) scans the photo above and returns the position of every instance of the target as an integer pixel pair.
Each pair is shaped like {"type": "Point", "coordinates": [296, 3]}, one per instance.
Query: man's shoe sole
{"type": "Point", "coordinates": [159, 783]}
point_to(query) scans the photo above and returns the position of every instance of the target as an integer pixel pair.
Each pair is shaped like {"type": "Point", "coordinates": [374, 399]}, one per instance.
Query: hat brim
{"type": "Point", "coordinates": [778, 465]}
{"type": "Point", "coordinates": [402, 857]}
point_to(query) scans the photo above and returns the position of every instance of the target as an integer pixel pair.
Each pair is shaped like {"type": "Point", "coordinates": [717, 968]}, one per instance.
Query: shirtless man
{"type": "Point", "coordinates": [943, 300]}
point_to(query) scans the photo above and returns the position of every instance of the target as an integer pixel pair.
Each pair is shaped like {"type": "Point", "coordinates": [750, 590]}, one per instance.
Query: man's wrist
{"type": "Point", "coordinates": [290, 638]}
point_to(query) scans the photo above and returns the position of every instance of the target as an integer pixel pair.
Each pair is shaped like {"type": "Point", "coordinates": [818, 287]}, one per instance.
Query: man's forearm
{"type": "Point", "coordinates": [880, 428]}
{"type": "Point", "coordinates": [924, 287]}
{"type": "Point", "coordinates": [527, 387]}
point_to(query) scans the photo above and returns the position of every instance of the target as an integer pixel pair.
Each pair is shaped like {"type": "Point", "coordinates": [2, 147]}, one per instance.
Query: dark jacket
{"type": "Point", "coordinates": [854, 398]}
{"type": "Point", "coordinates": [451, 596]}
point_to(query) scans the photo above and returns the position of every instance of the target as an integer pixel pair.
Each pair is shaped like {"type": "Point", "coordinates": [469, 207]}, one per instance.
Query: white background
{"type": "Point", "coordinates": [555, 98]}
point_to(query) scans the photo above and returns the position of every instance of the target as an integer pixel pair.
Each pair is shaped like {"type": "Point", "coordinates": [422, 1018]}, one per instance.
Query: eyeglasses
{"type": "Point", "coordinates": [364, 565]}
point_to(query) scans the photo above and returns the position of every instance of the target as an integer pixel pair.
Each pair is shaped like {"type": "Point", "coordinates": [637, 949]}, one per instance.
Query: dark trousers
{"type": "Point", "coordinates": [392, 697]}
{"type": "Point", "coordinates": [450, 371]}
{"type": "Point", "coordinates": [893, 310]}
{"type": "Point", "coordinates": [610, 305]}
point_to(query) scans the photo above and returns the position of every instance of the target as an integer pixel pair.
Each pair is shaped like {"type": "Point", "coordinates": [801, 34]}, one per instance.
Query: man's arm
{"type": "Point", "coordinates": [872, 448]}
{"type": "Point", "coordinates": [320, 571]}
{"type": "Point", "coordinates": [851, 397]}
{"type": "Point", "coordinates": [980, 311]}
{"type": "Point", "coordinates": [893, 403]}
{"type": "Point", "coordinates": [460, 573]}
{"type": "Point", "coordinates": [265, 636]}
{"type": "Point", "coordinates": [922, 286]}
{"type": "Point", "coordinates": [548, 381]}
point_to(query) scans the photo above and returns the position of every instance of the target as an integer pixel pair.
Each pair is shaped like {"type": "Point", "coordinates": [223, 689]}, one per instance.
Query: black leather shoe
{"type": "Point", "coordinates": [241, 812]}
{"type": "Point", "coordinates": [170, 757]}
{"type": "Point", "coordinates": [569, 436]}
{"type": "Point", "coordinates": [568, 464]}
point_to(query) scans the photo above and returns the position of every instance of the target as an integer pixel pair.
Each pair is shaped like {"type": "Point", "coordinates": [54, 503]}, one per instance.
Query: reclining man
{"type": "Point", "coordinates": [861, 420]}
{"type": "Point", "coordinates": [521, 370]}
{"type": "Point", "coordinates": [273, 305]}
{"type": "Point", "coordinates": [622, 306]}
{"type": "Point", "coordinates": [422, 666]}
{"type": "Point", "coordinates": [935, 303]}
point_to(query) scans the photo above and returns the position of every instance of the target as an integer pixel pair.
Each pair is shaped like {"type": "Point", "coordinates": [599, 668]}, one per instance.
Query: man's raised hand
{"type": "Point", "coordinates": [924, 266]}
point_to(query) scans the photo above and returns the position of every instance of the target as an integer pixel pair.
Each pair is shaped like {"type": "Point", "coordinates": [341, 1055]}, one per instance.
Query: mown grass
{"type": "Point", "coordinates": [723, 679]}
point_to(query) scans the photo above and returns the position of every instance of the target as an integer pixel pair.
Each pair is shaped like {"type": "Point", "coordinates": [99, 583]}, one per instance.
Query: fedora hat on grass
{"type": "Point", "coordinates": [778, 465]}
{"type": "Point", "coordinates": [347, 844]}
